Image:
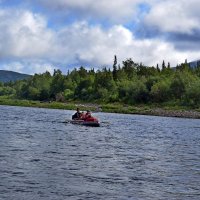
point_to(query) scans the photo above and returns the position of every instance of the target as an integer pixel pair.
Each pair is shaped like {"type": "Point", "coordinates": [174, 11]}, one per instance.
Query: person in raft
{"type": "Point", "coordinates": [89, 117]}
{"type": "Point", "coordinates": [88, 114]}
{"type": "Point", "coordinates": [82, 115]}
{"type": "Point", "coordinates": [77, 115]}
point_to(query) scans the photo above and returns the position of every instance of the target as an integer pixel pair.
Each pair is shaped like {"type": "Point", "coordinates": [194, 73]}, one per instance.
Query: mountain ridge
{"type": "Point", "coordinates": [7, 76]}
{"type": "Point", "coordinates": [194, 63]}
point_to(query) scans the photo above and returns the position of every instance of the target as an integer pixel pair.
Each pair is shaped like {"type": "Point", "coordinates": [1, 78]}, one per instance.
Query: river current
{"type": "Point", "coordinates": [129, 157]}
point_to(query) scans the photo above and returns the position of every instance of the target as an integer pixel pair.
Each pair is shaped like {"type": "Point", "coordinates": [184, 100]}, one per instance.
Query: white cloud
{"type": "Point", "coordinates": [23, 34]}
{"type": "Point", "coordinates": [28, 45]}
{"type": "Point", "coordinates": [180, 16]}
{"type": "Point", "coordinates": [112, 10]}
{"type": "Point", "coordinates": [96, 46]}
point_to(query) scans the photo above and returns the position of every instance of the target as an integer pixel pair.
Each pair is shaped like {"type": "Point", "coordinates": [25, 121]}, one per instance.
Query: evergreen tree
{"type": "Point", "coordinates": [115, 68]}
{"type": "Point", "coordinates": [163, 65]}
{"type": "Point", "coordinates": [168, 65]}
{"type": "Point", "coordinates": [157, 67]}
{"type": "Point", "coordinates": [130, 68]}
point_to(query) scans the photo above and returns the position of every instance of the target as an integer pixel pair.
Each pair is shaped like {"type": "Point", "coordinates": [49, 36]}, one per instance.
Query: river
{"type": "Point", "coordinates": [129, 157]}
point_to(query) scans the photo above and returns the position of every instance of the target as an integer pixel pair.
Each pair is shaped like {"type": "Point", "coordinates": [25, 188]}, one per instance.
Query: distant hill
{"type": "Point", "coordinates": [194, 64]}
{"type": "Point", "coordinates": [6, 76]}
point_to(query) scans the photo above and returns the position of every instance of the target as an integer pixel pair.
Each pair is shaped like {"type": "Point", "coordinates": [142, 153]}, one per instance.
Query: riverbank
{"type": "Point", "coordinates": [111, 108]}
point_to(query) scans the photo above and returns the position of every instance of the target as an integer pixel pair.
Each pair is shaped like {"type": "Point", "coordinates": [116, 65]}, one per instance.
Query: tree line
{"type": "Point", "coordinates": [131, 83]}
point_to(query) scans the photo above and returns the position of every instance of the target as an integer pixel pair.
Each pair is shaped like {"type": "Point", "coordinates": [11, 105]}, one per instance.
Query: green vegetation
{"type": "Point", "coordinates": [130, 88]}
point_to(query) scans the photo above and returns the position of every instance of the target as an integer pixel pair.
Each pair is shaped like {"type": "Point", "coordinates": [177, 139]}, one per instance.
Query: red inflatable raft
{"type": "Point", "coordinates": [86, 123]}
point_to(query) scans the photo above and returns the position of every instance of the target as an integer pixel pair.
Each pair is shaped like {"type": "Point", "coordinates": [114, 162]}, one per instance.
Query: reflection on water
{"type": "Point", "coordinates": [128, 157]}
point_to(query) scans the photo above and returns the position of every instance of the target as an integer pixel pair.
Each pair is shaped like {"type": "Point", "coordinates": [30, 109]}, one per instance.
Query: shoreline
{"type": "Point", "coordinates": [192, 114]}
{"type": "Point", "coordinates": [107, 108]}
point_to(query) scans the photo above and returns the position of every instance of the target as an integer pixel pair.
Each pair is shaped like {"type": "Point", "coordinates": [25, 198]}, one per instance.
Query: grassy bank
{"type": "Point", "coordinates": [157, 110]}
{"type": "Point", "coordinates": [38, 104]}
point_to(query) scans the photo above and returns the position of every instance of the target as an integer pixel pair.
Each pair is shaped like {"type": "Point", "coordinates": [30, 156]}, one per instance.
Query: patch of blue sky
{"type": "Point", "coordinates": [137, 25]}
{"type": "Point", "coordinates": [57, 21]}
{"type": "Point", "coordinates": [10, 3]}
{"type": "Point", "coordinates": [134, 23]}
{"type": "Point", "coordinates": [144, 8]}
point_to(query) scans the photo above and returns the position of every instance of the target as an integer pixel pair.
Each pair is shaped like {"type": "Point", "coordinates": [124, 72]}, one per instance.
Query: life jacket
{"type": "Point", "coordinates": [91, 119]}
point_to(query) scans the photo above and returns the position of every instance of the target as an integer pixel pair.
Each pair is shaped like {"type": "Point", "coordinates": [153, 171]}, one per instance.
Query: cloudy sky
{"type": "Point", "coordinates": [40, 35]}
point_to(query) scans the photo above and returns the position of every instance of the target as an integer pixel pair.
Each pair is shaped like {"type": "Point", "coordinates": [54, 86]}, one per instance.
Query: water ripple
{"type": "Point", "coordinates": [128, 157]}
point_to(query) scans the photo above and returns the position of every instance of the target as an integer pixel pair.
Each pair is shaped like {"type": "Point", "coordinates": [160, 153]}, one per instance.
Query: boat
{"type": "Point", "coordinates": [86, 123]}
{"type": "Point", "coordinates": [84, 119]}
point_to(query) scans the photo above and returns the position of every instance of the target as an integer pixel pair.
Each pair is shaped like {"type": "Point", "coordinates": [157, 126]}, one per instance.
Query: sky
{"type": "Point", "coordinates": [43, 35]}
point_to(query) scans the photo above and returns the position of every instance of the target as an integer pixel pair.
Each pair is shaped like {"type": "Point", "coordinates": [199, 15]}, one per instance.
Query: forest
{"type": "Point", "coordinates": [129, 83]}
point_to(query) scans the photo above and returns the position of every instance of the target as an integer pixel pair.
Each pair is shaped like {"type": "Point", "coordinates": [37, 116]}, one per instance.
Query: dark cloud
{"type": "Point", "coordinates": [181, 41]}
{"type": "Point", "coordinates": [185, 42]}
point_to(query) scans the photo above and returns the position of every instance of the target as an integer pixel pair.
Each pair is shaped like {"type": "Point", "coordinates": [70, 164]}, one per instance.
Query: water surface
{"type": "Point", "coordinates": [128, 157]}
